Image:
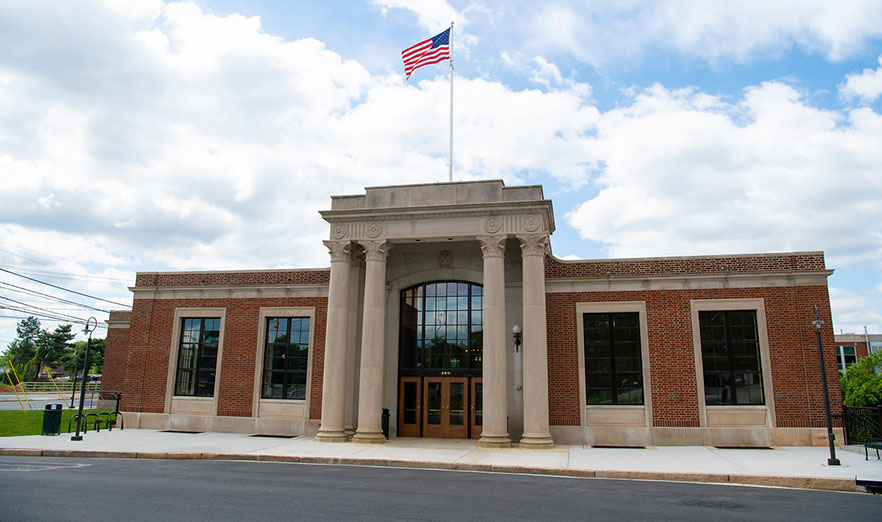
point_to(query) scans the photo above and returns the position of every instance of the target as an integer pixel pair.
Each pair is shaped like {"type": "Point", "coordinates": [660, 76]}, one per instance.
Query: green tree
{"type": "Point", "coordinates": [862, 384]}
{"type": "Point", "coordinates": [51, 346]}
{"type": "Point", "coordinates": [77, 353]}
{"type": "Point", "coordinates": [21, 351]}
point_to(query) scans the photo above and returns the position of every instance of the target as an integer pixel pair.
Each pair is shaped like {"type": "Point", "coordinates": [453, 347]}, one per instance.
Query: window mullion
{"type": "Point", "coordinates": [612, 360]}
{"type": "Point", "coordinates": [731, 356]}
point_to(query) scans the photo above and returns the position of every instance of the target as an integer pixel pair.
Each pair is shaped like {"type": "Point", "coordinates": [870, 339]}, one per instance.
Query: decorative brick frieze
{"type": "Point", "coordinates": [671, 266]}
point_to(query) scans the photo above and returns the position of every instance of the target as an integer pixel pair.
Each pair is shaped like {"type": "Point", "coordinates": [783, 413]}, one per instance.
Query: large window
{"type": "Point", "coordinates": [613, 362]}
{"type": "Point", "coordinates": [286, 358]}
{"type": "Point", "coordinates": [197, 357]}
{"type": "Point", "coordinates": [442, 327]}
{"type": "Point", "coordinates": [845, 357]}
{"type": "Point", "coordinates": [730, 357]}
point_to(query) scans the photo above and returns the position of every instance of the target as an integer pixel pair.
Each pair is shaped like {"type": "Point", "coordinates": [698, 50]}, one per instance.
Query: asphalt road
{"type": "Point", "coordinates": [34, 488]}
{"type": "Point", "coordinates": [38, 401]}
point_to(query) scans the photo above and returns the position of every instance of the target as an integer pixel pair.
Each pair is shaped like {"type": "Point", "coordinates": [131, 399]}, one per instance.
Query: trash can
{"type": "Point", "coordinates": [52, 419]}
{"type": "Point", "coordinates": [384, 423]}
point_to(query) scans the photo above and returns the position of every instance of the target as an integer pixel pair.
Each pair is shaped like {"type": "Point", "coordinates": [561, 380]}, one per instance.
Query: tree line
{"type": "Point", "coordinates": [35, 349]}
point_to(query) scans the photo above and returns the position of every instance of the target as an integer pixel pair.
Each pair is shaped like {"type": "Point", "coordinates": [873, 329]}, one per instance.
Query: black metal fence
{"type": "Point", "coordinates": [862, 424]}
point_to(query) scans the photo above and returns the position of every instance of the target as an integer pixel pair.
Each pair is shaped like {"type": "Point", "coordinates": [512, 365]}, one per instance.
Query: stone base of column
{"type": "Point", "coordinates": [494, 441]}
{"type": "Point", "coordinates": [369, 437]}
{"type": "Point", "coordinates": [337, 435]}
{"type": "Point", "coordinates": [536, 441]}
{"type": "Point", "coordinates": [350, 431]}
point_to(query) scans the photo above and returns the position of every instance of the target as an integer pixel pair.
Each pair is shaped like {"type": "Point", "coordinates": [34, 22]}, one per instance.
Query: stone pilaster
{"type": "Point", "coordinates": [535, 349]}
{"type": "Point", "coordinates": [495, 432]}
{"type": "Point", "coordinates": [370, 388]}
{"type": "Point", "coordinates": [334, 382]}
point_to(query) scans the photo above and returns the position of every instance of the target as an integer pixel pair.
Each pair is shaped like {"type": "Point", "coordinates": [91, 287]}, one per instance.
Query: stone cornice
{"type": "Point", "coordinates": [117, 324]}
{"type": "Point", "coordinates": [371, 217]}
{"type": "Point", "coordinates": [687, 282]}
{"type": "Point", "coordinates": [229, 292]}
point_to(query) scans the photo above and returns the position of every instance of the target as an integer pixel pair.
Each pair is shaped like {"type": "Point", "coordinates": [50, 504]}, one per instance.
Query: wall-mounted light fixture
{"type": "Point", "coordinates": [516, 333]}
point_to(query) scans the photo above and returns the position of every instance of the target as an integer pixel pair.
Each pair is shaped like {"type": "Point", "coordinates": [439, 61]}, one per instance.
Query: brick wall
{"type": "Point", "coordinates": [147, 356]}
{"type": "Point", "coordinates": [792, 344]}
{"type": "Point", "coordinates": [115, 351]}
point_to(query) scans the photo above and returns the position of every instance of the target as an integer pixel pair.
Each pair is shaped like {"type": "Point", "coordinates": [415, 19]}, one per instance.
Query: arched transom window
{"type": "Point", "coordinates": [442, 327]}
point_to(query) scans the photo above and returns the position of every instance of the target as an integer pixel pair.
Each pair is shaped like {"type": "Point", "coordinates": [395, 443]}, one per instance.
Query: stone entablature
{"type": "Point", "coordinates": [459, 211]}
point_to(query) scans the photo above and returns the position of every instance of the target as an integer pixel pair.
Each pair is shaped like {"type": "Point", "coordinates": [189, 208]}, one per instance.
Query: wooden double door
{"type": "Point", "coordinates": [440, 407]}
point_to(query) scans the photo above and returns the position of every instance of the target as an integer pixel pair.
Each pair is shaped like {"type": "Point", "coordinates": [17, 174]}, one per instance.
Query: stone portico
{"type": "Point", "coordinates": [390, 237]}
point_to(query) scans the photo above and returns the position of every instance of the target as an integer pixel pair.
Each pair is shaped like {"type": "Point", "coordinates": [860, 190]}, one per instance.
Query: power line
{"type": "Point", "coordinates": [61, 274]}
{"type": "Point", "coordinates": [43, 254]}
{"type": "Point", "coordinates": [59, 299]}
{"type": "Point", "coordinates": [57, 314]}
{"type": "Point", "coordinates": [62, 288]}
{"type": "Point", "coordinates": [39, 316]}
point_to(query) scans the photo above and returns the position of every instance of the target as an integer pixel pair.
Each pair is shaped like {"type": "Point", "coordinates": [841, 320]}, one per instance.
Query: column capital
{"type": "Point", "coordinates": [339, 250]}
{"type": "Point", "coordinates": [533, 244]}
{"type": "Point", "coordinates": [492, 246]}
{"type": "Point", "coordinates": [375, 250]}
{"type": "Point", "coordinates": [357, 258]}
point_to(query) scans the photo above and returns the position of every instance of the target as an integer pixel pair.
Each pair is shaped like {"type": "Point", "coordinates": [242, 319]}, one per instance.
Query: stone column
{"type": "Point", "coordinates": [352, 343]}
{"type": "Point", "coordinates": [495, 432]}
{"type": "Point", "coordinates": [334, 381]}
{"type": "Point", "coordinates": [534, 347]}
{"type": "Point", "coordinates": [370, 386]}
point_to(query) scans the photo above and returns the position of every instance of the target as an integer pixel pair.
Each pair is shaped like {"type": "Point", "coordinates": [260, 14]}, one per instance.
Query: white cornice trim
{"type": "Point", "coordinates": [688, 282]}
{"type": "Point", "coordinates": [229, 292]}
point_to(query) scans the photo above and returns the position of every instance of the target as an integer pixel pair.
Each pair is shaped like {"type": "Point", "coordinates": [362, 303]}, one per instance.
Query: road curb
{"type": "Point", "coordinates": [817, 483]}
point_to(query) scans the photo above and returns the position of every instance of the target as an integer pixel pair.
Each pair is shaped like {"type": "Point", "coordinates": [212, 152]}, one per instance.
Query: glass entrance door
{"type": "Point", "coordinates": [445, 413]}
{"type": "Point", "coordinates": [477, 408]}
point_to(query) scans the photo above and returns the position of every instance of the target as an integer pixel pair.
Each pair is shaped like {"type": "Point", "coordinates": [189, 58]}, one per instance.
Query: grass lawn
{"type": "Point", "coordinates": [14, 423]}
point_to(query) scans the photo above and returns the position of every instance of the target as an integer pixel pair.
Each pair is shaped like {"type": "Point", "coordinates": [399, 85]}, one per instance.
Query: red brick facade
{"type": "Point", "coordinates": [789, 315]}
{"type": "Point", "coordinates": [137, 358]}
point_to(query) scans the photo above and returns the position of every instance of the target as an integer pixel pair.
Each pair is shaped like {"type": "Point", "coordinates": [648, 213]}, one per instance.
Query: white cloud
{"type": "Point", "coordinates": [203, 142]}
{"type": "Point", "coordinates": [432, 15]}
{"type": "Point", "coordinates": [687, 173]}
{"type": "Point", "coordinates": [852, 312]}
{"type": "Point", "coordinates": [606, 32]}
{"type": "Point", "coordinates": [867, 85]}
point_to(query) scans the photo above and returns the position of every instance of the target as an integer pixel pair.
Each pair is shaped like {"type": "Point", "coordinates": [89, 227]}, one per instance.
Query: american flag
{"type": "Point", "coordinates": [433, 50]}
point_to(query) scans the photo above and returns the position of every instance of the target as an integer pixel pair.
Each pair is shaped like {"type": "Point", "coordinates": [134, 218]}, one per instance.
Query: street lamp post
{"type": "Point", "coordinates": [73, 384]}
{"type": "Point", "coordinates": [91, 324]}
{"type": "Point", "coordinates": [832, 461]}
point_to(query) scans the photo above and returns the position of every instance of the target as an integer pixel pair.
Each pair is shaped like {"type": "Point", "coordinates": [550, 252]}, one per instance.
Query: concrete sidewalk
{"type": "Point", "coordinates": [798, 467]}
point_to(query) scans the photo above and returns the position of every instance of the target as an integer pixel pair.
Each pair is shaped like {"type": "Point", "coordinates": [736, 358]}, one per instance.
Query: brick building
{"type": "Point", "coordinates": [850, 347]}
{"type": "Point", "coordinates": [417, 314]}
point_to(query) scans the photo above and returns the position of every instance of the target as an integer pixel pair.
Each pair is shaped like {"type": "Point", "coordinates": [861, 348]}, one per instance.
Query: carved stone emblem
{"type": "Point", "coordinates": [374, 230]}
{"type": "Point", "coordinates": [445, 259]}
{"type": "Point", "coordinates": [338, 231]}
{"type": "Point", "coordinates": [532, 223]}
{"type": "Point", "coordinates": [493, 225]}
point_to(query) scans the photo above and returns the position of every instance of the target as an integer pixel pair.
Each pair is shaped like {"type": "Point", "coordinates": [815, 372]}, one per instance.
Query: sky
{"type": "Point", "coordinates": [157, 136]}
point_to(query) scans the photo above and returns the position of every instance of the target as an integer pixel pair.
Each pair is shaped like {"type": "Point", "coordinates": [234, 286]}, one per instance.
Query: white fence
{"type": "Point", "coordinates": [57, 386]}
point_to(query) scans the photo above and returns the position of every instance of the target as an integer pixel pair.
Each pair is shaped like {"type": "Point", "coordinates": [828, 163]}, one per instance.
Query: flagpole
{"type": "Point", "coordinates": [450, 162]}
